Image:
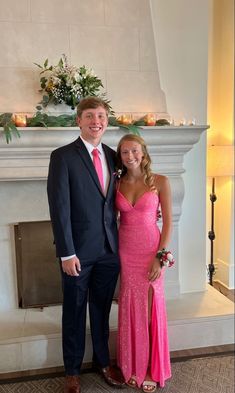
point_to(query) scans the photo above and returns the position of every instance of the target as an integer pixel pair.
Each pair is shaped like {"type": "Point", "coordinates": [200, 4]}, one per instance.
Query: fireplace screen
{"type": "Point", "coordinates": [38, 272]}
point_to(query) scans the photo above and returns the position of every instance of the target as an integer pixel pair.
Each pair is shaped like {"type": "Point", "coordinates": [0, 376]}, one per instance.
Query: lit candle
{"type": "Point", "coordinates": [150, 119]}
{"type": "Point", "coordinates": [172, 121]}
{"type": "Point", "coordinates": [126, 119]}
{"type": "Point", "coordinates": [20, 120]}
{"type": "Point", "coordinates": [192, 122]}
{"type": "Point", "coordinates": [182, 122]}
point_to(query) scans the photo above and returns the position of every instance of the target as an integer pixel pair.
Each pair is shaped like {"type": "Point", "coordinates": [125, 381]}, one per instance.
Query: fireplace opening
{"type": "Point", "coordinates": [38, 271]}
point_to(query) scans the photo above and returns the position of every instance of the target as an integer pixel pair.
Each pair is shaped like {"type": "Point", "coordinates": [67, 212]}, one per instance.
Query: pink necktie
{"type": "Point", "coordinates": [98, 166]}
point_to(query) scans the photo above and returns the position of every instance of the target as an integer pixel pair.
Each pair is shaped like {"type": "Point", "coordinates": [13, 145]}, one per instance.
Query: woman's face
{"type": "Point", "coordinates": [131, 154]}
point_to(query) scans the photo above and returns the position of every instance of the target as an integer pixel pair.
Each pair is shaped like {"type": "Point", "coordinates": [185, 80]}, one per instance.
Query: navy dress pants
{"type": "Point", "coordinates": [96, 285]}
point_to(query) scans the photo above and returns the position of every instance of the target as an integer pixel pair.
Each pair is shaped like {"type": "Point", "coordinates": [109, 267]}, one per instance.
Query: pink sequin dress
{"type": "Point", "coordinates": [141, 345]}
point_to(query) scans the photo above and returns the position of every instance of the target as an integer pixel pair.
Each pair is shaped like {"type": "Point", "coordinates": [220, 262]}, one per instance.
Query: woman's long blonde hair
{"type": "Point", "coordinates": [149, 178]}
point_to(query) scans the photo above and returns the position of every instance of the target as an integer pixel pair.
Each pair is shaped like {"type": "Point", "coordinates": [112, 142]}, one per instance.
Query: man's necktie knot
{"type": "Point", "coordinates": [95, 152]}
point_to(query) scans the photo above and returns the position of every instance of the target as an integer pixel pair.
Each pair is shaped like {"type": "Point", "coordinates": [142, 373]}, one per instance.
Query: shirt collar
{"type": "Point", "coordinates": [90, 147]}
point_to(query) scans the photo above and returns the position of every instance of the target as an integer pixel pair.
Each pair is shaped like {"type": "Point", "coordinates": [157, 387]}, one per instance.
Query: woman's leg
{"type": "Point", "coordinates": [149, 385]}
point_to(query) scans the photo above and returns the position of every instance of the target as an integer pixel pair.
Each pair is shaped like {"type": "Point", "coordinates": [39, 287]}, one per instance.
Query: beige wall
{"type": "Point", "coordinates": [221, 119]}
{"type": "Point", "coordinates": [221, 73]}
{"type": "Point", "coordinates": [181, 37]}
{"type": "Point", "coordinates": [114, 37]}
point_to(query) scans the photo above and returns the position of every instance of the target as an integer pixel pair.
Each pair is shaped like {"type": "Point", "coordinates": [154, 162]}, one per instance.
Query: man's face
{"type": "Point", "coordinates": [93, 123]}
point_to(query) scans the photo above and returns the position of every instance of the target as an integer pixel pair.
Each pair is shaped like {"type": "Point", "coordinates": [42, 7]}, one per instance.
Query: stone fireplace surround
{"type": "Point", "coordinates": [25, 161]}
{"type": "Point", "coordinates": [31, 339]}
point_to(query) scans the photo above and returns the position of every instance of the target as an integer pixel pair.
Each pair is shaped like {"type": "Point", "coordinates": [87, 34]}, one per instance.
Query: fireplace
{"type": "Point", "coordinates": [23, 173]}
{"type": "Point", "coordinates": [38, 272]}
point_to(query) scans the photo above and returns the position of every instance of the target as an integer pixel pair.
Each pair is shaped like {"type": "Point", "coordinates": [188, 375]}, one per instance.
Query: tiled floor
{"type": "Point", "coordinates": [213, 374]}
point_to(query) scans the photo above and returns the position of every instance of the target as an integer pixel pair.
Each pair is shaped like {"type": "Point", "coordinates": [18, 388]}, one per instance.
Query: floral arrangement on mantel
{"type": "Point", "coordinates": [68, 84]}
{"type": "Point", "coordinates": [65, 83]}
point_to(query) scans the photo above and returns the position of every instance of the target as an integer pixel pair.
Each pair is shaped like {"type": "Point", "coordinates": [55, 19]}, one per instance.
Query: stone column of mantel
{"type": "Point", "coordinates": [27, 158]}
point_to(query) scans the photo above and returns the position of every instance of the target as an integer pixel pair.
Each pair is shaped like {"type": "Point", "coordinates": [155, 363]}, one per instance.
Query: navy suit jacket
{"type": "Point", "coordinates": [83, 219]}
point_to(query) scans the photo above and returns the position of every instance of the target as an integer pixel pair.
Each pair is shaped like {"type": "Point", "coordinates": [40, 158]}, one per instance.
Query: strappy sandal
{"type": "Point", "coordinates": [149, 386]}
{"type": "Point", "coordinates": [132, 383]}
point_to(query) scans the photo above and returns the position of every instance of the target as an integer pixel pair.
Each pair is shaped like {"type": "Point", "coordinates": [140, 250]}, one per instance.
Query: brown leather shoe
{"type": "Point", "coordinates": [72, 384]}
{"type": "Point", "coordinates": [112, 376]}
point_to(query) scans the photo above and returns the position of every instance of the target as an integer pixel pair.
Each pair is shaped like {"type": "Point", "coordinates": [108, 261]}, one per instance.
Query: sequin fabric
{"type": "Point", "coordinates": [141, 345]}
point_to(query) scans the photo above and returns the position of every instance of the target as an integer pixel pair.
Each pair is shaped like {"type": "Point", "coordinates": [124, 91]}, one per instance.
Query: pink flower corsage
{"type": "Point", "coordinates": [165, 257]}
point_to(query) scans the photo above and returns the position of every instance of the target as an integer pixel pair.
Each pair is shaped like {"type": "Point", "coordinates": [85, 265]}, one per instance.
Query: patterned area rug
{"type": "Point", "coordinates": [202, 375]}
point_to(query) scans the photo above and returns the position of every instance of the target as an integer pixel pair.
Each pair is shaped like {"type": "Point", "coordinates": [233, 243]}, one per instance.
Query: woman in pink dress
{"type": "Point", "coordinates": [143, 353]}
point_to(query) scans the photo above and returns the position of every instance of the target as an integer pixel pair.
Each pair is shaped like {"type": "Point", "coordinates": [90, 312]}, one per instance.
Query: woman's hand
{"type": "Point", "coordinates": [155, 271]}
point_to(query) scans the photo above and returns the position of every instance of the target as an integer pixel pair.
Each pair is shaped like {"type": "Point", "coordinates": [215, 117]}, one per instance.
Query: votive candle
{"type": "Point", "coordinates": [150, 119]}
{"type": "Point", "coordinates": [126, 119]}
{"type": "Point", "coordinates": [20, 120]}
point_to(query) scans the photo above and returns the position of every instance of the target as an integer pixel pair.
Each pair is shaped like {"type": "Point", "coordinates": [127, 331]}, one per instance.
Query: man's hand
{"type": "Point", "coordinates": [71, 266]}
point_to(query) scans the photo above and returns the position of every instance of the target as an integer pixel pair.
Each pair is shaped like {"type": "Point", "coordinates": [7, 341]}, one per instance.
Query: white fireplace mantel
{"type": "Point", "coordinates": [27, 157]}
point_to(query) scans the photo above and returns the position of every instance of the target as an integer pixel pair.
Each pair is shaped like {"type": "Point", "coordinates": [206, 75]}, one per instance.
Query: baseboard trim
{"type": "Point", "coordinates": [176, 356]}
{"type": "Point", "coordinates": [217, 350]}
{"type": "Point", "coordinates": [223, 284]}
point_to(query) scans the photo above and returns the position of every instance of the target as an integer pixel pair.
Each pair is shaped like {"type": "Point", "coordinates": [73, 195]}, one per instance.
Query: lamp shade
{"type": "Point", "coordinates": [220, 161]}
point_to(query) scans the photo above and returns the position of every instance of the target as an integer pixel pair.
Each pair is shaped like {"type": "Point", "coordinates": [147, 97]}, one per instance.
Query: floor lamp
{"type": "Point", "coordinates": [220, 163]}
{"type": "Point", "coordinates": [211, 234]}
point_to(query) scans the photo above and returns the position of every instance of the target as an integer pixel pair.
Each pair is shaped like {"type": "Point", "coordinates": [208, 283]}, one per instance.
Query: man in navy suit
{"type": "Point", "coordinates": [84, 226]}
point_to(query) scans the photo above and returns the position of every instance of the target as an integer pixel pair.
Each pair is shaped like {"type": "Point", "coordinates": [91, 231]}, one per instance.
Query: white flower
{"type": "Point", "coordinates": [67, 83]}
{"type": "Point", "coordinates": [55, 80]}
{"type": "Point", "coordinates": [166, 263]}
{"type": "Point", "coordinates": [169, 257]}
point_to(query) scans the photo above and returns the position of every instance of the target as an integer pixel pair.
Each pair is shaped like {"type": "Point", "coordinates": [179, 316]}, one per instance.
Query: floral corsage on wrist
{"type": "Point", "coordinates": [165, 257]}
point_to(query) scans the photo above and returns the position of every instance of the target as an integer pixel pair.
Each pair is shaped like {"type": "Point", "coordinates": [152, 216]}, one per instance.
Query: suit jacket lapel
{"type": "Point", "coordinates": [110, 164]}
{"type": "Point", "coordinates": [87, 161]}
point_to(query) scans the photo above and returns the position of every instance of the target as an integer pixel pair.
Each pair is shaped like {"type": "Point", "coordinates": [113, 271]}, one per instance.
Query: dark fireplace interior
{"type": "Point", "coordinates": [38, 272]}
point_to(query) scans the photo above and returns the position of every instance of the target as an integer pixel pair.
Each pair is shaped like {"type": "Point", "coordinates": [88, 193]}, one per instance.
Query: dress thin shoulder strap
{"type": "Point", "coordinates": [118, 182]}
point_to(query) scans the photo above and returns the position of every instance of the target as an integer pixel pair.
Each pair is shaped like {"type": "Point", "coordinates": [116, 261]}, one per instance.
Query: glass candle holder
{"type": "Point", "coordinates": [182, 122]}
{"type": "Point", "coordinates": [192, 122]}
{"type": "Point", "coordinates": [20, 119]}
{"type": "Point", "coordinates": [126, 118]}
{"type": "Point", "coordinates": [150, 119]}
